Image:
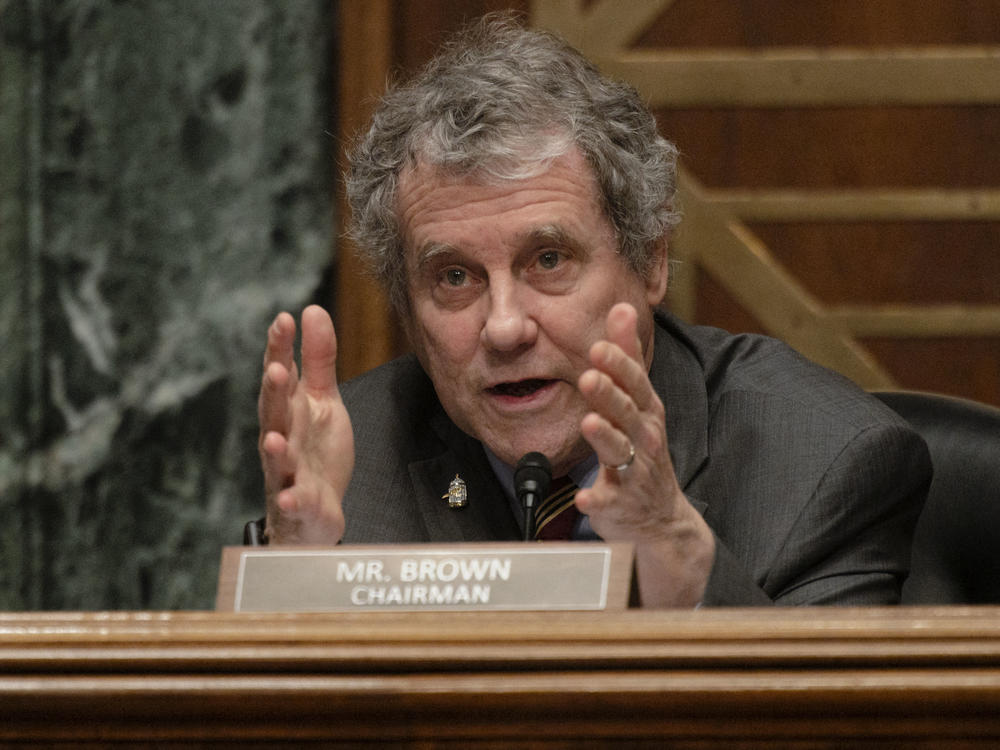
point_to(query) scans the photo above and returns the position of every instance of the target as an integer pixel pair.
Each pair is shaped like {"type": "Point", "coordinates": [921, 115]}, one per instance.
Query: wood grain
{"type": "Point", "coordinates": [843, 677]}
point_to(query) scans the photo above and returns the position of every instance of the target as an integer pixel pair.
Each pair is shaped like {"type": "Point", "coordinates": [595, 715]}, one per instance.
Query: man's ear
{"type": "Point", "coordinates": [658, 274]}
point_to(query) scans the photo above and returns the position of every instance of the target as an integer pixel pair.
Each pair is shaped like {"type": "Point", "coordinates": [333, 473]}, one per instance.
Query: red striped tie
{"type": "Point", "coordinates": [556, 515]}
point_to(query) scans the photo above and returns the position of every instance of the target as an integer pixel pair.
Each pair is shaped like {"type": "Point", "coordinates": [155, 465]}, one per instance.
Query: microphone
{"type": "Point", "coordinates": [531, 482]}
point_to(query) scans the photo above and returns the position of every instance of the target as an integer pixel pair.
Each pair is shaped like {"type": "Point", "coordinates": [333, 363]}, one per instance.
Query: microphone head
{"type": "Point", "coordinates": [533, 474]}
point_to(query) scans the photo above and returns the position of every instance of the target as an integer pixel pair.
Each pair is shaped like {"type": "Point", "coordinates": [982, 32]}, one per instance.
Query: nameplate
{"type": "Point", "coordinates": [507, 576]}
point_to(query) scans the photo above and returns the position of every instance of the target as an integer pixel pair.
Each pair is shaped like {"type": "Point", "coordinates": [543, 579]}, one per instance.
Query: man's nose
{"type": "Point", "coordinates": [509, 324]}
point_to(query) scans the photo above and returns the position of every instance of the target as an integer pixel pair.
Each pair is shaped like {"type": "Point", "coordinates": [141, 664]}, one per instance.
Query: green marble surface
{"type": "Point", "coordinates": [165, 188]}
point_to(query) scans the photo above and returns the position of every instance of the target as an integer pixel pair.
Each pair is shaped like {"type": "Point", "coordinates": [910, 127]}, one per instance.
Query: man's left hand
{"type": "Point", "coordinates": [642, 502]}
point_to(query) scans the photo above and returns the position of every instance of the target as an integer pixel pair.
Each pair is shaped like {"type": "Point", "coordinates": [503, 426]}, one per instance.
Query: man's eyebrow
{"type": "Point", "coordinates": [550, 233]}
{"type": "Point", "coordinates": [431, 250]}
{"type": "Point", "coordinates": [554, 234]}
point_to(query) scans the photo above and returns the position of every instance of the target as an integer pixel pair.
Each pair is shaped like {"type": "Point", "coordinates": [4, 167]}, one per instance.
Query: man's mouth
{"type": "Point", "coordinates": [519, 389]}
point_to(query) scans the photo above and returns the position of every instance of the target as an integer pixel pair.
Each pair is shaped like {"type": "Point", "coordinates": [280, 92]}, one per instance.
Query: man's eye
{"type": "Point", "coordinates": [549, 259]}
{"type": "Point", "coordinates": [454, 277]}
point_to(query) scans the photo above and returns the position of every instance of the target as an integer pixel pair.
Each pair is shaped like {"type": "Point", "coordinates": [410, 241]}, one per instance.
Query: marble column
{"type": "Point", "coordinates": [166, 173]}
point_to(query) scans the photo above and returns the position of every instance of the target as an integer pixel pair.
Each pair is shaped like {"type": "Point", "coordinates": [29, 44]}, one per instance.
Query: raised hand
{"type": "Point", "coordinates": [643, 502]}
{"type": "Point", "coordinates": [306, 444]}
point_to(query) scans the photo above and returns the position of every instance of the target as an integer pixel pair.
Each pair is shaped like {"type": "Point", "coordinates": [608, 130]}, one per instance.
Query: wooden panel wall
{"type": "Point", "coordinates": [842, 179]}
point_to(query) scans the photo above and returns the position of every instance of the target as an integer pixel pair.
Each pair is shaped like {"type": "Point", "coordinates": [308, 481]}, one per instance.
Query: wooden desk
{"type": "Point", "coordinates": [806, 678]}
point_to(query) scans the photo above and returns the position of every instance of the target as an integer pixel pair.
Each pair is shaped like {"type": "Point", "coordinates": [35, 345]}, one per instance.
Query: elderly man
{"type": "Point", "coordinates": [518, 206]}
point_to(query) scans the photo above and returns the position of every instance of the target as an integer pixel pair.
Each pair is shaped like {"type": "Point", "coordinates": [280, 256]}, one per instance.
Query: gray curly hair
{"type": "Point", "coordinates": [501, 102]}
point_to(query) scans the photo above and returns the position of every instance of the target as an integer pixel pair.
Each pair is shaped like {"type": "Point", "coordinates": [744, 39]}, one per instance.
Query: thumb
{"type": "Point", "coordinates": [319, 350]}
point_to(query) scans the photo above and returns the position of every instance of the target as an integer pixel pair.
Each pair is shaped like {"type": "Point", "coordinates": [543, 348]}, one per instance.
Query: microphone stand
{"type": "Point", "coordinates": [531, 482]}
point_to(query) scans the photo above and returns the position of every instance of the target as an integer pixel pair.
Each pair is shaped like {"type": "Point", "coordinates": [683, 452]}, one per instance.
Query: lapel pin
{"type": "Point", "coordinates": [457, 495]}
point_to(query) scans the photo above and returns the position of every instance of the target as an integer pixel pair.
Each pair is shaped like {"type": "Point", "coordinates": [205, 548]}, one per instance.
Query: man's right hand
{"type": "Point", "coordinates": [306, 444]}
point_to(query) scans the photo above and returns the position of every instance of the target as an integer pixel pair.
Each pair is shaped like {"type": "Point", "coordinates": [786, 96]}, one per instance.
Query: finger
{"type": "Point", "coordinates": [622, 328]}
{"type": "Point", "coordinates": [277, 462]}
{"type": "Point", "coordinates": [288, 501]}
{"type": "Point", "coordinates": [611, 445]}
{"type": "Point", "coordinates": [278, 380]}
{"type": "Point", "coordinates": [319, 351]}
{"type": "Point", "coordinates": [303, 518]}
{"type": "Point", "coordinates": [604, 396]}
{"type": "Point", "coordinates": [274, 406]}
{"type": "Point", "coordinates": [620, 355]}
{"type": "Point", "coordinates": [625, 372]}
{"type": "Point", "coordinates": [281, 342]}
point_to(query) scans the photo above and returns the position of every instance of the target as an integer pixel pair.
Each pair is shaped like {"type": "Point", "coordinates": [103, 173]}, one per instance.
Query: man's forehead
{"type": "Point", "coordinates": [421, 184]}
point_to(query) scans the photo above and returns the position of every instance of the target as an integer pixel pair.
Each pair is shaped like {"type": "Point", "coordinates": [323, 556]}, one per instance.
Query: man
{"type": "Point", "coordinates": [518, 206]}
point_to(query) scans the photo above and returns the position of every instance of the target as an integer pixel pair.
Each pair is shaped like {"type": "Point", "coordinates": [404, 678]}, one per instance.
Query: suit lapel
{"type": "Point", "coordinates": [487, 516]}
{"type": "Point", "coordinates": [679, 380]}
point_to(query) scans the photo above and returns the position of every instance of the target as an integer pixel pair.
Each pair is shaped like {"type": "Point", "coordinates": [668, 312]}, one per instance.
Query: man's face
{"type": "Point", "coordinates": [509, 285]}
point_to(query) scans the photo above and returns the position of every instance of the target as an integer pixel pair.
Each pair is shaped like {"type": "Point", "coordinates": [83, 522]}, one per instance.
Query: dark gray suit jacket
{"type": "Point", "coordinates": [811, 487]}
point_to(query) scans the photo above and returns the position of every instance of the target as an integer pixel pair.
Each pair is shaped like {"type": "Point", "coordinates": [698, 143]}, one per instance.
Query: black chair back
{"type": "Point", "coordinates": [956, 546]}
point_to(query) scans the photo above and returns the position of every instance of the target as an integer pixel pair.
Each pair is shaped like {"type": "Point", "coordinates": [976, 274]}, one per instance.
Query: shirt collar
{"type": "Point", "coordinates": [583, 474]}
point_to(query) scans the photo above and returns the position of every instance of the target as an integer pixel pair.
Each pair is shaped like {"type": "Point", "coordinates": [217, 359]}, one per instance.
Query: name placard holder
{"type": "Point", "coordinates": [500, 576]}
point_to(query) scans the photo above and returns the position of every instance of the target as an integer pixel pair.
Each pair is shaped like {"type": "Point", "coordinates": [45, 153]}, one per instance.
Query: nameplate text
{"type": "Point", "coordinates": [532, 576]}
